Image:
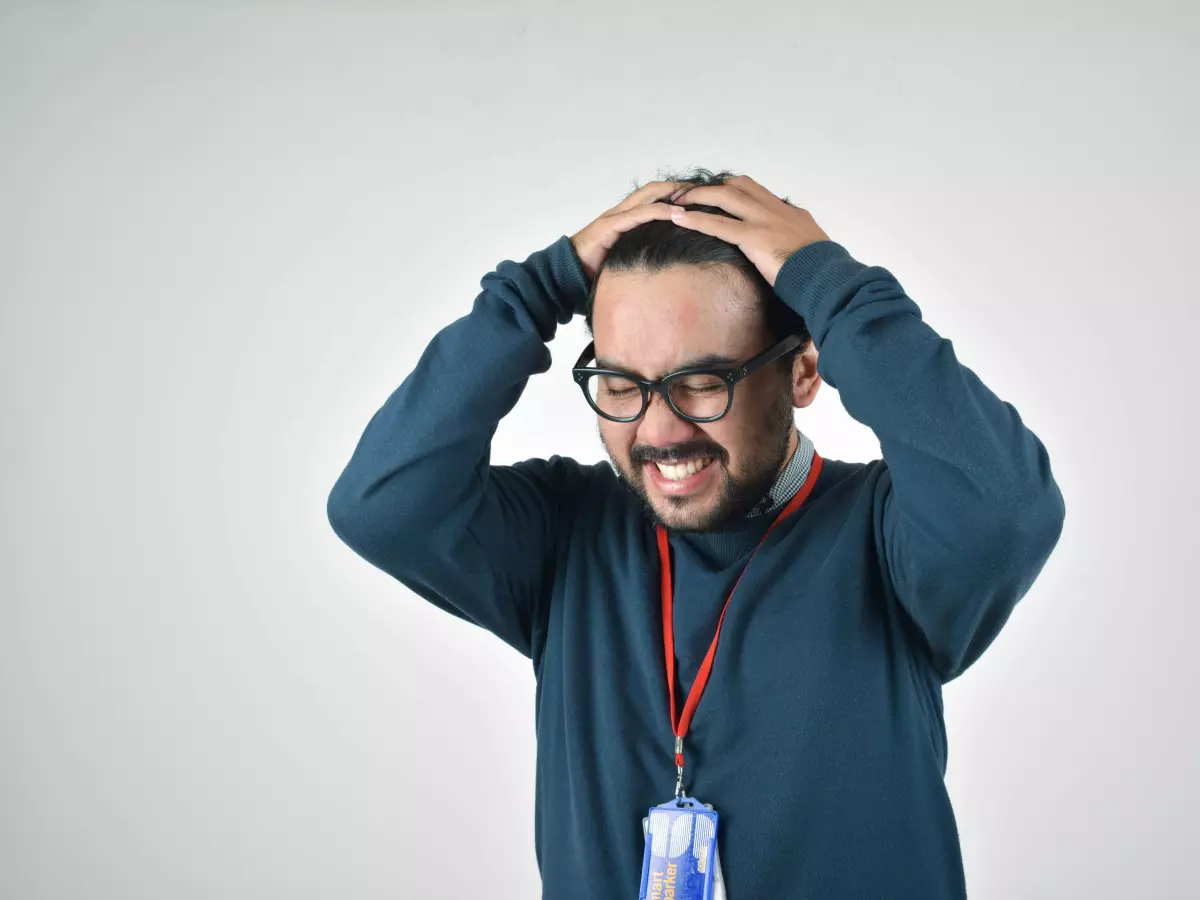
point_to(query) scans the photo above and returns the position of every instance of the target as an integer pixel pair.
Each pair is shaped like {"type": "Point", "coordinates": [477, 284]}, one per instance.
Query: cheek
{"type": "Point", "coordinates": [726, 437]}
{"type": "Point", "coordinates": [753, 397]}
{"type": "Point", "coordinates": [617, 438]}
{"type": "Point", "coordinates": [749, 419]}
{"type": "Point", "coordinates": [737, 437]}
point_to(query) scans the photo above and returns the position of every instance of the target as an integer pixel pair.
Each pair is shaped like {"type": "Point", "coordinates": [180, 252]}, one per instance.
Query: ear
{"type": "Point", "coordinates": [805, 380]}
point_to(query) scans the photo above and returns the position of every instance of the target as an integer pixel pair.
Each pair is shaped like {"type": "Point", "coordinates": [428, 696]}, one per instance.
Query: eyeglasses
{"type": "Point", "coordinates": [701, 394]}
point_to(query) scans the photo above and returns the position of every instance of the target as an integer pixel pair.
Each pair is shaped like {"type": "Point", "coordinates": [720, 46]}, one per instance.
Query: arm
{"type": "Point", "coordinates": [419, 499]}
{"type": "Point", "coordinates": [967, 509]}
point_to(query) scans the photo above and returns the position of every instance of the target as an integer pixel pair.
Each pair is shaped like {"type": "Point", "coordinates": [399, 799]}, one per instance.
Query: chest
{"type": "Point", "coordinates": [806, 635]}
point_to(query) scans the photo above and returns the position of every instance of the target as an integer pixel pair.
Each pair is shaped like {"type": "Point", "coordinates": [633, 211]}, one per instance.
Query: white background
{"type": "Point", "coordinates": [227, 231]}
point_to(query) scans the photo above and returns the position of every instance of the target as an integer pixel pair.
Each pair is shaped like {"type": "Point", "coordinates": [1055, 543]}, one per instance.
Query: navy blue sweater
{"type": "Point", "coordinates": [820, 739]}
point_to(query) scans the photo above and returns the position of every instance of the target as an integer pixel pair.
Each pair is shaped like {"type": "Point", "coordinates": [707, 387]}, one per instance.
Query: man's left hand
{"type": "Point", "coordinates": [767, 229]}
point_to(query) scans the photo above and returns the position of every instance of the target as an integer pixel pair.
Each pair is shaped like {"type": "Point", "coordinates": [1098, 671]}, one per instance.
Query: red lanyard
{"type": "Point", "coordinates": [679, 725]}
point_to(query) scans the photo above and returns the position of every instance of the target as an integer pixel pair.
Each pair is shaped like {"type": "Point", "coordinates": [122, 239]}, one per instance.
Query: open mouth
{"type": "Point", "coordinates": [680, 471]}
{"type": "Point", "coordinates": [683, 477]}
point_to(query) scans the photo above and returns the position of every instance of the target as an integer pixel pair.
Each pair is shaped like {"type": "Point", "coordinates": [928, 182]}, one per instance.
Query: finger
{"type": "Point", "coordinates": [623, 220]}
{"type": "Point", "coordinates": [723, 227]}
{"type": "Point", "coordinates": [648, 193]}
{"type": "Point", "coordinates": [750, 186]}
{"type": "Point", "coordinates": [730, 199]}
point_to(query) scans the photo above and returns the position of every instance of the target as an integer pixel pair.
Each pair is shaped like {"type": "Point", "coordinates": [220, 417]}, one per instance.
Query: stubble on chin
{"type": "Point", "coordinates": [680, 514]}
{"type": "Point", "coordinates": [735, 497]}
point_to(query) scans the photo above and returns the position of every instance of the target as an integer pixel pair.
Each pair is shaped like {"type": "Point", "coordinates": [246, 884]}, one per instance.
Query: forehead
{"type": "Point", "coordinates": [654, 323]}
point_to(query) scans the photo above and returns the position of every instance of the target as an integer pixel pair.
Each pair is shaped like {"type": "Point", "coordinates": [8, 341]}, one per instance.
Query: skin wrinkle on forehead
{"type": "Point", "coordinates": [703, 304]}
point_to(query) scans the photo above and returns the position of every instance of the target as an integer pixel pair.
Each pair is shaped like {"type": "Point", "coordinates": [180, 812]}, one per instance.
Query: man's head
{"type": "Point", "coordinates": [668, 298]}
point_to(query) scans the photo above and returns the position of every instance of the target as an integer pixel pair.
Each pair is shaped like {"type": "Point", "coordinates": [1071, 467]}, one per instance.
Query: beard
{"type": "Point", "coordinates": [737, 495]}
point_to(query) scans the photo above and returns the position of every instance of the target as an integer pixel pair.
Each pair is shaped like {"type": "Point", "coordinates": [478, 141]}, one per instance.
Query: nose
{"type": "Point", "coordinates": [661, 427]}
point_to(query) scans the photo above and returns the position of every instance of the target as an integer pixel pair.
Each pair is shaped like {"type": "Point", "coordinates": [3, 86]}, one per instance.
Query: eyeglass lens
{"type": "Point", "coordinates": [701, 396]}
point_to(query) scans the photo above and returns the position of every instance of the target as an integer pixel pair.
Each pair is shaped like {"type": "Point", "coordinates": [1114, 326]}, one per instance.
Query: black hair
{"type": "Point", "coordinates": [660, 244]}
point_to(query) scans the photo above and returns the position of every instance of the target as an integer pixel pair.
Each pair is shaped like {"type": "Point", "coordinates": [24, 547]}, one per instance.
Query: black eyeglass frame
{"type": "Point", "coordinates": [731, 375]}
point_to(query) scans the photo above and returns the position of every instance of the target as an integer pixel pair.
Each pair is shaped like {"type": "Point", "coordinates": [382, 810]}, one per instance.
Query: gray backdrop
{"type": "Point", "coordinates": [227, 230]}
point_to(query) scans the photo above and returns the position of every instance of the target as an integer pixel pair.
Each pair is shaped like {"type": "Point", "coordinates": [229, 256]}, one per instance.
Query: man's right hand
{"type": "Point", "coordinates": [593, 242]}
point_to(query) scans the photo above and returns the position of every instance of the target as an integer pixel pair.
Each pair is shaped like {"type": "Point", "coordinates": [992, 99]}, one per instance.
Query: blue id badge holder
{"type": "Point", "coordinates": [681, 861]}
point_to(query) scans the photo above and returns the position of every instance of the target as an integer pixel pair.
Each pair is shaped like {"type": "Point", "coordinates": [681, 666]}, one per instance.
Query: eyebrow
{"type": "Point", "coordinates": [711, 360]}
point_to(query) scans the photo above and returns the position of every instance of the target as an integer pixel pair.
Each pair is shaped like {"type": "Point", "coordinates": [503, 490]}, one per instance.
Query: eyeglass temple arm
{"type": "Point", "coordinates": [588, 354]}
{"type": "Point", "coordinates": [789, 343]}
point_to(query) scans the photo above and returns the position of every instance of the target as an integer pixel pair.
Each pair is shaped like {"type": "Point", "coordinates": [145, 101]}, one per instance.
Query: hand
{"type": "Point", "coordinates": [767, 229]}
{"type": "Point", "coordinates": [593, 242]}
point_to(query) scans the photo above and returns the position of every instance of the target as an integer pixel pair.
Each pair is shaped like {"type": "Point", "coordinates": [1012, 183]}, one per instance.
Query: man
{"type": "Point", "coordinates": [716, 308]}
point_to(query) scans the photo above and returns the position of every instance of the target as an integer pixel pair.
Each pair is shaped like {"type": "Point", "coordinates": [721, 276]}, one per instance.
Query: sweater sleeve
{"type": "Point", "coordinates": [419, 498]}
{"type": "Point", "coordinates": [966, 507]}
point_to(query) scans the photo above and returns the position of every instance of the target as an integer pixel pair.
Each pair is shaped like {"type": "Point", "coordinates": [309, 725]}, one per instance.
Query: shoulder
{"type": "Point", "coordinates": [839, 477]}
{"type": "Point", "coordinates": [577, 485]}
{"type": "Point", "coordinates": [587, 502]}
{"type": "Point", "coordinates": [852, 489]}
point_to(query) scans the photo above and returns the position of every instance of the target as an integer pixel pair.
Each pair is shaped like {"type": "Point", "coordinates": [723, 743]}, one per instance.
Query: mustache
{"type": "Point", "coordinates": [679, 452]}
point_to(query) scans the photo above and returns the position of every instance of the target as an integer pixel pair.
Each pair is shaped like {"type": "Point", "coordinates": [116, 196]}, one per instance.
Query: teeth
{"type": "Point", "coordinates": [683, 470]}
